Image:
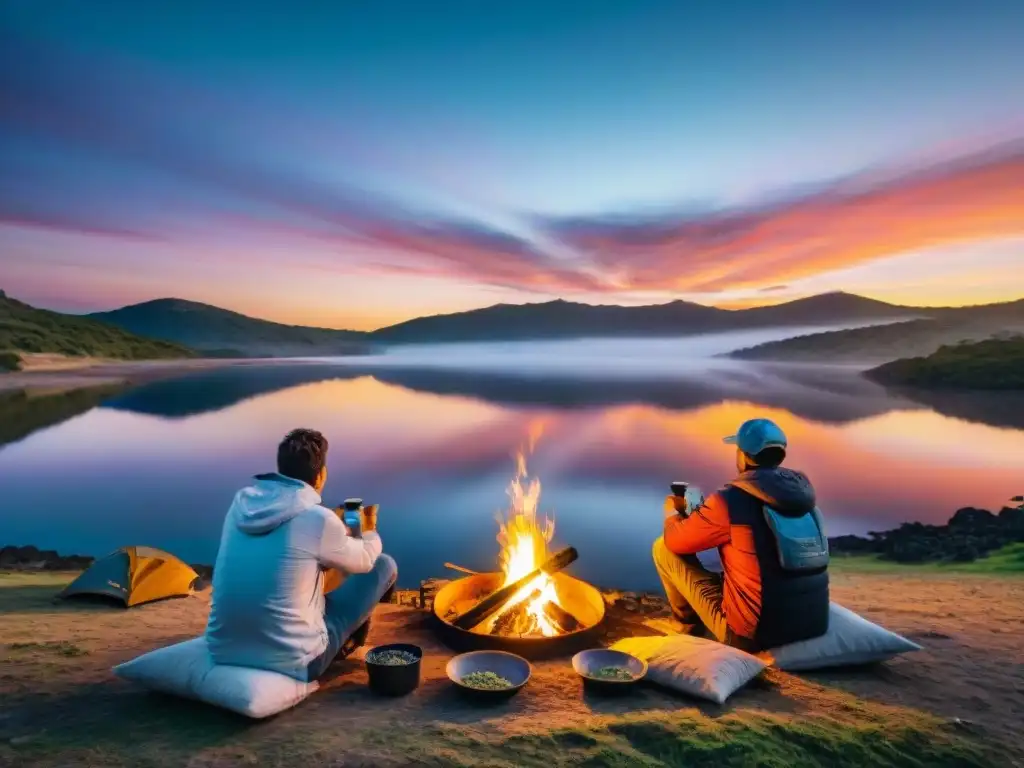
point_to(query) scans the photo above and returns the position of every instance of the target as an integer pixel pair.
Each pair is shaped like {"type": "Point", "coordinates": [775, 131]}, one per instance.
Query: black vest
{"type": "Point", "coordinates": [794, 606]}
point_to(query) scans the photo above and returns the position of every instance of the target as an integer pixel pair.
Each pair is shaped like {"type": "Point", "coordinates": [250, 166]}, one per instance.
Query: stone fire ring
{"type": "Point", "coordinates": [578, 597]}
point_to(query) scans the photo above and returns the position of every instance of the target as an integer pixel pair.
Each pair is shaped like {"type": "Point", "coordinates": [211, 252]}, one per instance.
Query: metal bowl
{"type": "Point", "coordinates": [587, 663]}
{"type": "Point", "coordinates": [513, 668]}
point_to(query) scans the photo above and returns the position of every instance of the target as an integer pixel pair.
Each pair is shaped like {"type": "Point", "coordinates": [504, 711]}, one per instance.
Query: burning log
{"type": "Point", "coordinates": [510, 621]}
{"type": "Point", "coordinates": [499, 597]}
{"type": "Point", "coordinates": [516, 620]}
{"type": "Point", "coordinates": [561, 618]}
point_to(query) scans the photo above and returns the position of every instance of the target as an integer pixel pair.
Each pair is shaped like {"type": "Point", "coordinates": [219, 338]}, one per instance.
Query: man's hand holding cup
{"type": "Point", "coordinates": [676, 504]}
{"type": "Point", "coordinates": [369, 517]}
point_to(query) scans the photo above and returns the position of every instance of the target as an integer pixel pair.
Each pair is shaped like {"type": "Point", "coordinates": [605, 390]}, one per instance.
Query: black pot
{"type": "Point", "coordinates": [394, 679]}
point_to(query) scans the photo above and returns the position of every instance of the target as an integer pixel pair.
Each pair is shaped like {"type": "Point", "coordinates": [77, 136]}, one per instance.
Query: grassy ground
{"type": "Point", "coordinates": [1007, 561]}
{"type": "Point", "coordinates": [630, 740]}
{"type": "Point", "coordinates": [59, 706]}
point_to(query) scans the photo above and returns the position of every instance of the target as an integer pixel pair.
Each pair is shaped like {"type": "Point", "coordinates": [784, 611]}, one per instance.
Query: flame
{"type": "Point", "coordinates": [524, 543]}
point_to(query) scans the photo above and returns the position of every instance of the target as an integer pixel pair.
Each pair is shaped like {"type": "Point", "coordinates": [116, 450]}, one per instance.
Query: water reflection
{"type": "Point", "coordinates": [24, 412]}
{"type": "Point", "coordinates": [158, 465]}
{"type": "Point", "coordinates": [825, 394]}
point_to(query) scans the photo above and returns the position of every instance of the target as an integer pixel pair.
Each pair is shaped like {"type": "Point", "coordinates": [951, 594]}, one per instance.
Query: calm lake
{"type": "Point", "coordinates": [430, 434]}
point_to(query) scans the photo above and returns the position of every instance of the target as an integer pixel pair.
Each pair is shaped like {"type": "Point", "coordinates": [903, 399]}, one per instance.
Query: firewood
{"type": "Point", "coordinates": [515, 620]}
{"type": "Point", "coordinates": [493, 602]}
{"type": "Point", "coordinates": [561, 618]}
{"type": "Point", "coordinates": [511, 621]}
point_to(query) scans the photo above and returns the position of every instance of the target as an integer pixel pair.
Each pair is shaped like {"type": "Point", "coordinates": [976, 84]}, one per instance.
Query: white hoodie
{"type": "Point", "coordinates": [268, 600]}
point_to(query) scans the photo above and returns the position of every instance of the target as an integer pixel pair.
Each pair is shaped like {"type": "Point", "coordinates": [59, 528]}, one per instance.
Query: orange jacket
{"type": "Point", "coordinates": [707, 527]}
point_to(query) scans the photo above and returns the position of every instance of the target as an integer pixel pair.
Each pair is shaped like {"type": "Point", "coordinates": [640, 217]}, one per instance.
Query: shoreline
{"type": "Point", "coordinates": [69, 373]}
{"type": "Point", "coordinates": [32, 559]}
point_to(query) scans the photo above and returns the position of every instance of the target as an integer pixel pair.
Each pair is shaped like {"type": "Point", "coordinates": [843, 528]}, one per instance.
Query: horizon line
{"type": "Point", "coordinates": [741, 308]}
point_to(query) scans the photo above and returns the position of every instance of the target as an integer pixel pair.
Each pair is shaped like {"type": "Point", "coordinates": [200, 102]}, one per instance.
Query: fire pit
{"type": "Point", "coordinates": [577, 598]}
{"type": "Point", "coordinates": [529, 608]}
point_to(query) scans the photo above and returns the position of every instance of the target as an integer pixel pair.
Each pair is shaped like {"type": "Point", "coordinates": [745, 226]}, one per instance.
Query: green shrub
{"type": "Point", "coordinates": [10, 361]}
{"type": "Point", "coordinates": [27, 329]}
{"type": "Point", "coordinates": [990, 364]}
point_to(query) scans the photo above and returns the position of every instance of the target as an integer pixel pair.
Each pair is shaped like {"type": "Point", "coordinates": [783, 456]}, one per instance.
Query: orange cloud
{"type": "Point", "coordinates": [834, 229]}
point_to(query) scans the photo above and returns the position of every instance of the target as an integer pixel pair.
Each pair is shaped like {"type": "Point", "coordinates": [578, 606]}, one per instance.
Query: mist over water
{"type": "Point", "coordinates": [674, 357]}
{"type": "Point", "coordinates": [430, 433]}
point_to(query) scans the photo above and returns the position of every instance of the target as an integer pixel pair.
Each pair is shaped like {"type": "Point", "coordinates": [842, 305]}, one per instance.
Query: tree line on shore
{"type": "Point", "coordinates": [970, 534]}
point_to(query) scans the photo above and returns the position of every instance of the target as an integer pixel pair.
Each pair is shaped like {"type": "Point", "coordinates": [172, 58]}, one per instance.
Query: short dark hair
{"type": "Point", "coordinates": [302, 454]}
{"type": "Point", "coordinates": [770, 457]}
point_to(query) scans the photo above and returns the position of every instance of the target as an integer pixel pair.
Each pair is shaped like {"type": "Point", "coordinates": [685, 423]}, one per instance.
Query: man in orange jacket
{"type": "Point", "coordinates": [768, 531]}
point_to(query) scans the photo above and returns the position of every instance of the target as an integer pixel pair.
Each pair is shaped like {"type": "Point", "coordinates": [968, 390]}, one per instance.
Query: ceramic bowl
{"type": "Point", "coordinates": [513, 668]}
{"type": "Point", "coordinates": [587, 663]}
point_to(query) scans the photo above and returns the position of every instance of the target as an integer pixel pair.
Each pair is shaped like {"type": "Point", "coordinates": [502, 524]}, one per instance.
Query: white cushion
{"type": "Point", "coordinates": [850, 640]}
{"type": "Point", "coordinates": [693, 665]}
{"type": "Point", "coordinates": [186, 669]}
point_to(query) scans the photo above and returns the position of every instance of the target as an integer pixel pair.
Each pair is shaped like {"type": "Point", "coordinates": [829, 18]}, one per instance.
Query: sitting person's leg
{"type": "Point", "coordinates": [349, 606]}
{"type": "Point", "coordinates": [694, 593]}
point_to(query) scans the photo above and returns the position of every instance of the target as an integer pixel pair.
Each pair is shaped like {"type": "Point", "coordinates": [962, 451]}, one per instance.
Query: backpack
{"type": "Point", "coordinates": [800, 541]}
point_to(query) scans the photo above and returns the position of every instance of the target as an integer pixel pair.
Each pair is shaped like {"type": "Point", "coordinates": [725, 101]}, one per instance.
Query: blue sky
{"type": "Point", "coordinates": [419, 158]}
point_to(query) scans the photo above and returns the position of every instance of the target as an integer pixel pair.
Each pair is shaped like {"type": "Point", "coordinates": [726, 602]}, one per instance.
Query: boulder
{"type": "Point", "coordinates": [30, 557]}
{"type": "Point", "coordinates": [205, 572]}
{"type": "Point", "coordinates": [28, 554]}
{"type": "Point", "coordinates": [8, 556]}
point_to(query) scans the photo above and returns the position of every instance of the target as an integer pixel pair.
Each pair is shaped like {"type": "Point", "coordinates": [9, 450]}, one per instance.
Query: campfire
{"type": "Point", "coordinates": [530, 605]}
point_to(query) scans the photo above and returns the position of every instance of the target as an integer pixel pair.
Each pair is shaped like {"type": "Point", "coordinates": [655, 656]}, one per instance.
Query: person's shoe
{"type": "Point", "coordinates": [356, 641]}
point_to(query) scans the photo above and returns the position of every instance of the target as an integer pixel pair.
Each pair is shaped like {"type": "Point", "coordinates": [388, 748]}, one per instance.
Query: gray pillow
{"type": "Point", "coordinates": [693, 665]}
{"type": "Point", "coordinates": [186, 669]}
{"type": "Point", "coordinates": [850, 640]}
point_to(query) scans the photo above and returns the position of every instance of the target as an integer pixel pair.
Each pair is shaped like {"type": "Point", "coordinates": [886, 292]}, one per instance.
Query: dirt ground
{"type": "Point", "coordinates": [60, 705]}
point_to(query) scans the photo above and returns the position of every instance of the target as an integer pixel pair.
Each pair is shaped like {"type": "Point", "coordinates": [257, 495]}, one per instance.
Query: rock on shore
{"type": "Point", "coordinates": [33, 558]}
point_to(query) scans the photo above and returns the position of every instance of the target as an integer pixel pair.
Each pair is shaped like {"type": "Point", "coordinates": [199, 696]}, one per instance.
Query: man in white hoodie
{"type": "Point", "coordinates": [277, 548]}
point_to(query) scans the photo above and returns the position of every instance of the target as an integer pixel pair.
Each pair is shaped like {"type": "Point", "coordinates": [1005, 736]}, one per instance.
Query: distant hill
{"type": "Point", "coordinates": [213, 330]}
{"type": "Point", "coordinates": [883, 343]}
{"type": "Point", "coordinates": [218, 331]}
{"type": "Point", "coordinates": [563, 319]}
{"type": "Point", "coordinates": [987, 365]}
{"type": "Point", "coordinates": [25, 329]}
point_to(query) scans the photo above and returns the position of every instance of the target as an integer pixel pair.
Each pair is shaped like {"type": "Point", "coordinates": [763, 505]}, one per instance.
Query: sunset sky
{"type": "Point", "coordinates": [353, 164]}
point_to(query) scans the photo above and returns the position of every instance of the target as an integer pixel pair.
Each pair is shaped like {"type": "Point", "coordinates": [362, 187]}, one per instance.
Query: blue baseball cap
{"type": "Point", "coordinates": [757, 434]}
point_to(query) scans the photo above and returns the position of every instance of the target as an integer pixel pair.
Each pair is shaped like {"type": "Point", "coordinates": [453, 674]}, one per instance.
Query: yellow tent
{"type": "Point", "coordinates": [133, 576]}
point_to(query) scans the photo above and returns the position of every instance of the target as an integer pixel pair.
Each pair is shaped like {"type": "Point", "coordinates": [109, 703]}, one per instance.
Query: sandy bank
{"type": "Point", "coordinates": [57, 372]}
